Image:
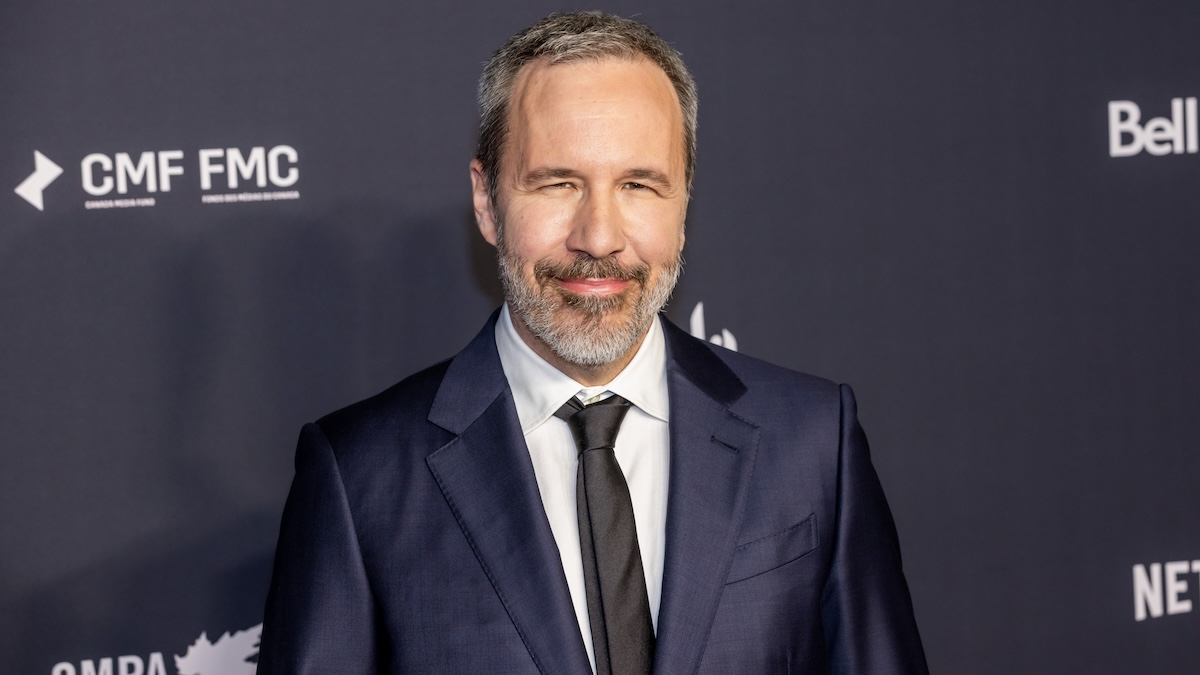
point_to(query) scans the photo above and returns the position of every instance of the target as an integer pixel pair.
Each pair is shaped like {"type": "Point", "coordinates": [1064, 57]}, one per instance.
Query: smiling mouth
{"type": "Point", "coordinates": [587, 277]}
{"type": "Point", "coordinates": [594, 285]}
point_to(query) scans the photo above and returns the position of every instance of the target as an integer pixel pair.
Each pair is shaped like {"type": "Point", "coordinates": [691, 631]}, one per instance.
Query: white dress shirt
{"type": "Point", "coordinates": [539, 390]}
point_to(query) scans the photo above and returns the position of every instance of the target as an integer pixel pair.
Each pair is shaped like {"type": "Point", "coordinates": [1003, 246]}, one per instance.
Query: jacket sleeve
{"type": "Point", "coordinates": [320, 613]}
{"type": "Point", "coordinates": [866, 608]}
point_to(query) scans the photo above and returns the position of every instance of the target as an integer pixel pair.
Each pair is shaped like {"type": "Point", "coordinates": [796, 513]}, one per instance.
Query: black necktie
{"type": "Point", "coordinates": [618, 609]}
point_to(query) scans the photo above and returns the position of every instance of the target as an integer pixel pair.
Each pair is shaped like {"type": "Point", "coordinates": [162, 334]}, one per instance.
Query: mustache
{"type": "Point", "coordinates": [587, 267]}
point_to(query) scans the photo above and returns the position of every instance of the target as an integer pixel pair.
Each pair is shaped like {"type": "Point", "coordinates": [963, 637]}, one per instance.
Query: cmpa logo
{"type": "Point", "coordinates": [1127, 136]}
{"type": "Point", "coordinates": [229, 655]}
{"type": "Point", "coordinates": [126, 179]}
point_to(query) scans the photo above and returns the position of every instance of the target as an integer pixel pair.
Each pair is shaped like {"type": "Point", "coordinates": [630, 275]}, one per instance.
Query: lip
{"type": "Point", "coordinates": [604, 286]}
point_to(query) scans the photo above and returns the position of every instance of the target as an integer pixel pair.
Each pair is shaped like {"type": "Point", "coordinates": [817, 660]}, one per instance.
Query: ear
{"type": "Point", "coordinates": [484, 217]}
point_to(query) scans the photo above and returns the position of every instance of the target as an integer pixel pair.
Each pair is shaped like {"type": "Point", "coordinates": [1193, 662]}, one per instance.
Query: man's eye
{"type": "Point", "coordinates": [636, 186]}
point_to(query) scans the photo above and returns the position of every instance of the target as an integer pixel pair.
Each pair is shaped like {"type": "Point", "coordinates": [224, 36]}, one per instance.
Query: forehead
{"type": "Point", "coordinates": [634, 75]}
{"type": "Point", "coordinates": [594, 96]}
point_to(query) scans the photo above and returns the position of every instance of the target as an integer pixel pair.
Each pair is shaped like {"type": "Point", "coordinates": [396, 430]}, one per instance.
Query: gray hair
{"type": "Point", "coordinates": [563, 38]}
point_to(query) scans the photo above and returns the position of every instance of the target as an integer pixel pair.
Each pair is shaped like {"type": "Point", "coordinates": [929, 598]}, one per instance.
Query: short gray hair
{"type": "Point", "coordinates": [562, 38]}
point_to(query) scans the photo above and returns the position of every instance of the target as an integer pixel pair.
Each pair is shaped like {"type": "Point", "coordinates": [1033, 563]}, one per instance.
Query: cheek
{"type": "Point", "coordinates": [536, 230]}
{"type": "Point", "coordinates": [658, 241]}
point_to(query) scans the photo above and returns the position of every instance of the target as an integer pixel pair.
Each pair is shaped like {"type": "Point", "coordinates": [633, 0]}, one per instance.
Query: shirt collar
{"type": "Point", "coordinates": [539, 389]}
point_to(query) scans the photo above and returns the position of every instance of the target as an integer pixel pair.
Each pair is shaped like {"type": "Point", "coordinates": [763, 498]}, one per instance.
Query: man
{"type": "Point", "coordinates": [480, 517]}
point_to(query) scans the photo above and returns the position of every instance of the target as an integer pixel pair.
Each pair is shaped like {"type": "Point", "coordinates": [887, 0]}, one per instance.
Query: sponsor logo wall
{"type": "Point", "coordinates": [982, 216]}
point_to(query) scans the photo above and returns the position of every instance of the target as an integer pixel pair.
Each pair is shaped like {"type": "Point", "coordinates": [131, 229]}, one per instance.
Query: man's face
{"type": "Point", "coordinates": [590, 206]}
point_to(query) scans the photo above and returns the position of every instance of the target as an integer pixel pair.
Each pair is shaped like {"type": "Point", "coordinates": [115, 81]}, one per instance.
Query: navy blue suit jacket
{"type": "Point", "coordinates": [414, 538]}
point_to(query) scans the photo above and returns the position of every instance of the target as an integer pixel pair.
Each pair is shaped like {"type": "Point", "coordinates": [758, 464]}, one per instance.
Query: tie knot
{"type": "Point", "coordinates": [594, 426]}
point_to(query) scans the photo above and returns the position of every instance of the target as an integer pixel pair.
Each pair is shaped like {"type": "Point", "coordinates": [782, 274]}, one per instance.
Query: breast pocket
{"type": "Point", "coordinates": [775, 550]}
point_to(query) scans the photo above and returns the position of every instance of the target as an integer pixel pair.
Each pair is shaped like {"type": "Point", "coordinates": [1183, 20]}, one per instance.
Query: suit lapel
{"type": "Point", "coordinates": [487, 478]}
{"type": "Point", "coordinates": [712, 455]}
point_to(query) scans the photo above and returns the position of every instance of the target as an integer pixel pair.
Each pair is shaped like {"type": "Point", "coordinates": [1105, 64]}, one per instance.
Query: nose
{"type": "Point", "coordinates": [598, 228]}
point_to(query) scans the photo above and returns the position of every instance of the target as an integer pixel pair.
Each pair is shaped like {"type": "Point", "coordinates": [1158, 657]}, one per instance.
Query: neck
{"type": "Point", "coordinates": [588, 376]}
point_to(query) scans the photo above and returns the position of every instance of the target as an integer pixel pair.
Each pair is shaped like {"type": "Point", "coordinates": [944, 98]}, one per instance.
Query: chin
{"type": "Point", "coordinates": [589, 339]}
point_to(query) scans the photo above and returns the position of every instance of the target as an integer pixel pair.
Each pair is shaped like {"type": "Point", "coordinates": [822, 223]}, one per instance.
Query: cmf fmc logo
{"type": "Point", "coordinates": [139, 179]}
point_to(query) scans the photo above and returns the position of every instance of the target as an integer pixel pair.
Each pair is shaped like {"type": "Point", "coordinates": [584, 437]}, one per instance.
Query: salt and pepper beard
{"type": "Point", "coordinates": [578, 327]}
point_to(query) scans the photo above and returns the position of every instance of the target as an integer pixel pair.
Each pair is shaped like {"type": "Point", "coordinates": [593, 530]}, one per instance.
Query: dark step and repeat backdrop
{"type": "Point", "coordinates": [221, 220]}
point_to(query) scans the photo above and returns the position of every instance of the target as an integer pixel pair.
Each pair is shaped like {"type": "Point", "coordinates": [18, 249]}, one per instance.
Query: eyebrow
{"type": "Point", "coordinates": [648, 175]}
{"type": "Point", "coordinates": [538, 175]}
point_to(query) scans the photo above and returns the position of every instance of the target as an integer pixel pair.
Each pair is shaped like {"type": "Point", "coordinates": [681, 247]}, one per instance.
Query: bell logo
{"type": "Point", "coordinates": [1158, 136]}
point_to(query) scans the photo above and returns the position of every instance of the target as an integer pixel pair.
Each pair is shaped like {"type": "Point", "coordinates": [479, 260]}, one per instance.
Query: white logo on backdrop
{"type": "Point", "coordinates": [724, 338]}
{"type": "Point", "coordinates": [44, 173]}
{"type": "Point", "coordinates": [152, 172]}
{"type": "Point", "coordinates": [1162, 588]}
{"type": "Point", "coordinates": [227, 656]}
{"type": "Point", "coordinates": [125, 180]}
{"type": "Point", "coordinates": [1127, 136]}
